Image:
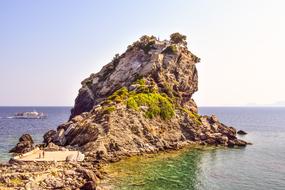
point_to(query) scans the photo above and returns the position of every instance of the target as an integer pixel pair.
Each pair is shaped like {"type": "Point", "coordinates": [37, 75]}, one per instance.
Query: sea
{"type": "Point", "coordinates": [12, 129]}
{"type": "Point", "coordinates": [260, 166]}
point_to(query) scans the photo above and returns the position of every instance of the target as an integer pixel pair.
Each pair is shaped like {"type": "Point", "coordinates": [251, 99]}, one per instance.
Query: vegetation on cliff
{"type": "Point", "coordinates": [143, 98]}
{"type": "Point", "coordinates": [178, 38]}
{"type": "Point", "coordinates": [157, 105]}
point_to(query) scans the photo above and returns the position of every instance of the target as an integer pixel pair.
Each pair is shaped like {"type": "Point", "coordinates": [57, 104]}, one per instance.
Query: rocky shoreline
{"type": "Point", "coordinates": [139, 103]}
{"type": "Point", "coordinates": [49, 175]}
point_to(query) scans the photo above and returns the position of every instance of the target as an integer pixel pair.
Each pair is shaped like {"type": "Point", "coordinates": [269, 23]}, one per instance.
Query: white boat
{"type": "Point", "coordinates": [30, 115]}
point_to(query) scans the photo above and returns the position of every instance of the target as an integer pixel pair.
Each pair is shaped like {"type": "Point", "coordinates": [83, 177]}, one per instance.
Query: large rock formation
{"type": "Point", "coordinates": [142, 102]}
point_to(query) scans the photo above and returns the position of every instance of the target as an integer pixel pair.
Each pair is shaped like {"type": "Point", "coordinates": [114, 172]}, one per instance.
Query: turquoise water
{"type": "Point", "coordinates": [257, 167]}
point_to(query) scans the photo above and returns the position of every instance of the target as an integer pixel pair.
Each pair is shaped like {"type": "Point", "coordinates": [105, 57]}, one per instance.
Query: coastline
{"type": "Point", "coordinates": [19, 174]}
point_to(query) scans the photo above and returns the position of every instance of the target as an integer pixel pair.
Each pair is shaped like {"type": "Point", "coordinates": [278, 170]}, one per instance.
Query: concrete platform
{"type": "Point", "coordinates": [41, 156]}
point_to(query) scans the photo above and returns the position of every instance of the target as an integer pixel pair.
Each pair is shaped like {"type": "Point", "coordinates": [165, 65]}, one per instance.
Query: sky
{"type": "Point", "coordinates": [48, 47]}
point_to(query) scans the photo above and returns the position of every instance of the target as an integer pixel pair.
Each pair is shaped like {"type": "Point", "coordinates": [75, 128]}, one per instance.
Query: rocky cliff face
{"type": "Point", "coordinates": [141, 102]}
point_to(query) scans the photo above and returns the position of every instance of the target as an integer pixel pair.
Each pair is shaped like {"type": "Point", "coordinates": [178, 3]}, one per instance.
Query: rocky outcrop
{"type": "Point", "coordinates": [142, 102]}
{"type": "Point", "coordinates": [25, 144]}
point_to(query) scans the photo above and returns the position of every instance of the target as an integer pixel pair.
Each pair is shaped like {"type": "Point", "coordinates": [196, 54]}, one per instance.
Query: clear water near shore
{"type": "Point", "coordinates": [257, 167]}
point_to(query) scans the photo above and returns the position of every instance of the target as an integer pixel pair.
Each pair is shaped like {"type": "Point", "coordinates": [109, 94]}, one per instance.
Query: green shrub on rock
{"type": "Point", "coordinates": [108, 110]}
{"type": "Point", "coordinates": [140, 81]}
{"type": "Point", "coordinates": [157, 105]}
{"type": "Point", "coordinates": [144, 95]}
{"type": "Point", "coordinates": [146, 43]}
{"type": "Point", "coordinates": [194, 116]}
{"type": "Point", "coordinates": [131, 103]}
{"type": "Point", "coordinates": [147, 47]}
{"type": "Point", "coordinates": [16, 181]}
{"type": "Point", "coordinates": [172, 49]}
{"type": "Point", "coordinates": [177, 38]}
{"type": "Point", "coordinates": [119, 95]}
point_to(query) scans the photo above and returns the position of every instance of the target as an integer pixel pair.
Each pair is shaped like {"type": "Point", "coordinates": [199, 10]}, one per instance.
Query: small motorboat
{"type": "Point", "coordinates": [30, 115]}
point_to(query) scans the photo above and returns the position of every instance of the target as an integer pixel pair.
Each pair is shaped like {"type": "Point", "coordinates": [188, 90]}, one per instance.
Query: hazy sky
{"type": "Point", "coordinates": [48, 47]}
